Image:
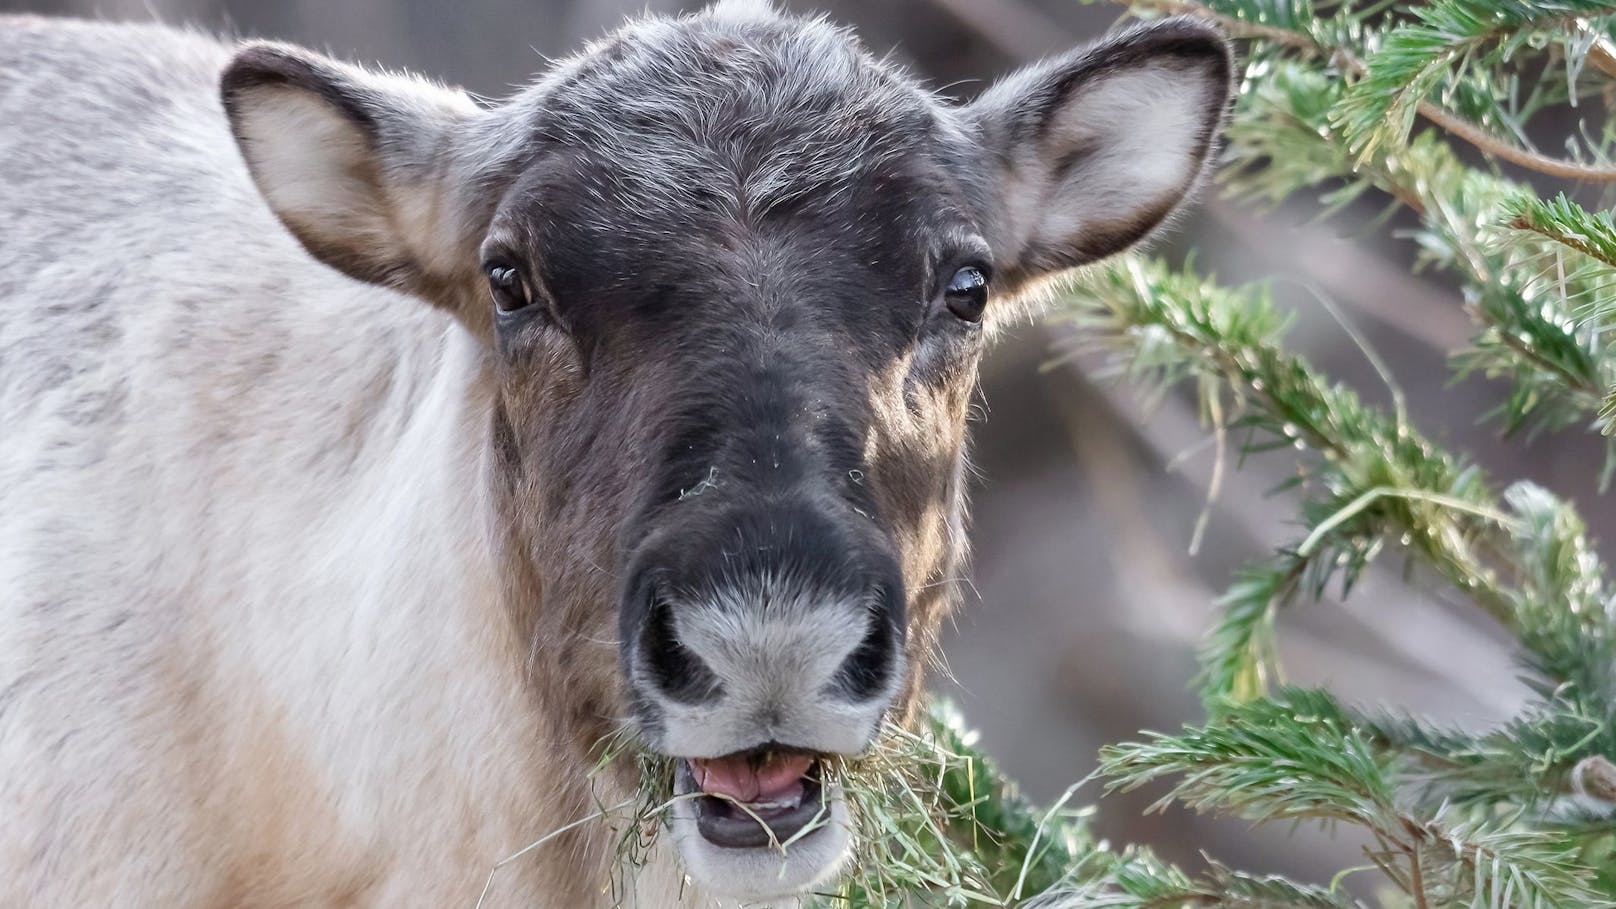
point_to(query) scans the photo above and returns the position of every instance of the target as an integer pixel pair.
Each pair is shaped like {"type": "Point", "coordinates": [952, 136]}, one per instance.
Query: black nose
{"type": "Point", "coordinates": [680, 674]}
{"type": "Point", "coordinates": [677, 672]}
{"type": "Point", "coordinates": [868, 670]}
{"type": "Point", "coordinates": [776, 597]}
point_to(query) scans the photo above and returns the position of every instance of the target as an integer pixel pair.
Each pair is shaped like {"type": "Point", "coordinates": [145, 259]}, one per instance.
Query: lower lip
{"type": "Point", "coordinates": [728, 825]}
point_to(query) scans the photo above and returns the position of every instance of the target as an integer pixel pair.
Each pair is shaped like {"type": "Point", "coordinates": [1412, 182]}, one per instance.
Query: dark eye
{"type": "Point", "coordinates": [506, 284]}
{"type": "Point", "coordinates": [967, 293]}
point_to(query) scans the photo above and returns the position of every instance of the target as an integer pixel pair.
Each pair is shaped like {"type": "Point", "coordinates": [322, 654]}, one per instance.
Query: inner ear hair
{"type": "Point", "coordinates": [267, 64]}
{"type": "Point", "coordinates": [357, 165]}
{"type": "Point", "coordinates": [1099, 146]}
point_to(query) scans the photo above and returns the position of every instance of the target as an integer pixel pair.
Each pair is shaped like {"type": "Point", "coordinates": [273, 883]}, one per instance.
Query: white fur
{"type": "Point", "coordinates": [766, 875]}
{"type": "Point", "coordinates": [251, 652]}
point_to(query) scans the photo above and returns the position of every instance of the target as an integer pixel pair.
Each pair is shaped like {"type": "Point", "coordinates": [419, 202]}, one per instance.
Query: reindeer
{"type": "Point", "coordinates": [371, 453]}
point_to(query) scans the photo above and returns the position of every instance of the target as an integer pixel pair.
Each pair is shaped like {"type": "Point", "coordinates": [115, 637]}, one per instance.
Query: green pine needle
{"type": "Point", "coordinates": [1414, 59]}
{"type": "Point", "coordinates": [1567, 223]}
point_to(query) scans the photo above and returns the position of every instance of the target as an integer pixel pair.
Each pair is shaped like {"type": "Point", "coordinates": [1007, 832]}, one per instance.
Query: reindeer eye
{"type": "Point", "coordinates": [506, 284]}
{"type": "Point", "coordinates": [967, 293]}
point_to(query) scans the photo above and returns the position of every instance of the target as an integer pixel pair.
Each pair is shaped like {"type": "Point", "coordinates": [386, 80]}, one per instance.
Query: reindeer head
{"type": "Point", "coordinates": [734, 277]}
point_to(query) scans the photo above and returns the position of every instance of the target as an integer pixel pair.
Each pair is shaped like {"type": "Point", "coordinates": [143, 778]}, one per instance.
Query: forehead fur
{"type": "Point", "coordinates": [737, 103]}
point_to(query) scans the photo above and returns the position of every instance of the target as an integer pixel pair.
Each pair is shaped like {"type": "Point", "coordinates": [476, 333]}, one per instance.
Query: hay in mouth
{"type": "Point", "coordinates": [762, 797]}
{"type": "Point", "coordinates": [931, 817]}
{"type": "Point", "coordinates": [933, 821]}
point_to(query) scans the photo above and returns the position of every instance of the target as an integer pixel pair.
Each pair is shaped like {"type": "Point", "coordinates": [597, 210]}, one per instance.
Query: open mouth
{"type": "Point", "coordinates": [767, 796]}
{"type": "Point", "coordinates": [767, 823]}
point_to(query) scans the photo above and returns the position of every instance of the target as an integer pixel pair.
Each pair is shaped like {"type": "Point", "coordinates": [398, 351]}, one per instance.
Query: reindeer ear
{"type": "Point", "coordinates": [1091, 151]}
{"type": "Point", "coordinates": [353, 163]}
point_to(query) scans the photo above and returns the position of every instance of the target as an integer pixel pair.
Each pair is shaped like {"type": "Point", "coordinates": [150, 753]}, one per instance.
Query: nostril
{"type": "Point", "coordinates": [868, 670]}
{"type": "Point", "coordinates": [675, 670]}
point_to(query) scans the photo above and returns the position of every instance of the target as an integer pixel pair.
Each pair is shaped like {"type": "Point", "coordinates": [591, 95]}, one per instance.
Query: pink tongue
{"type": "Point", "coordinates": [748, 779]}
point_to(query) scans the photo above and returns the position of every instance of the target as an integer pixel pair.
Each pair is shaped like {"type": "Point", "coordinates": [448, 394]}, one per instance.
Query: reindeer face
{"type": "Point", "coordinates": [735, 277]}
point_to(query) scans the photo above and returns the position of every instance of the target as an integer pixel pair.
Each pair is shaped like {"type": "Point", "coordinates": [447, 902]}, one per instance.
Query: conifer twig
{"type": "Point", "coordinates": [1448, 121]}
{"type": "Point", "coordinates": [1490, 144]}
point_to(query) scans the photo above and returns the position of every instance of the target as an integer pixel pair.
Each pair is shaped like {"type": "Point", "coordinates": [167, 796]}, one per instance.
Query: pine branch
{"type": "Point", "coordinates": [1299, 755]}
{"type": "Point", "coordinates": [1286, 136]}
{"type": "Point", "coordinates": [1585, 271]}
{"type": "Point", "coordinates": [1238, 660]}
{"type": "Point", "coordinates": [1529, 765]}
{"type": "Point", "coordinates": [1289, 758]}
{"type": "Point", "coordinates": [941, 824]}
{"type": "Point", "coordinates": [1291, 25]}
{"type": "Point", "coordinates": [1525, 560]}
{"type": "Point", "coordinates": [1283, 140]}
{"type": "Point", "coordinates": [1518, 816]}
{"type": "Point", "coordinates": [1138, 880]}
{"type": "Point", "coordinates": [1567, 223]}
{"type": "Point", "coordinates": [1397, 78]}
{"type": "Point", "coordinates": [1504, 151]}
{"type": "Point", "coordinates": [1523, 556]}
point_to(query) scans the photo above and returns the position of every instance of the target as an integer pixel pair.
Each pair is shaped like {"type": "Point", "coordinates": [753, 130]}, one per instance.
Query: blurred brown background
{"type": "Point", "coordinates": [1086, 604]}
